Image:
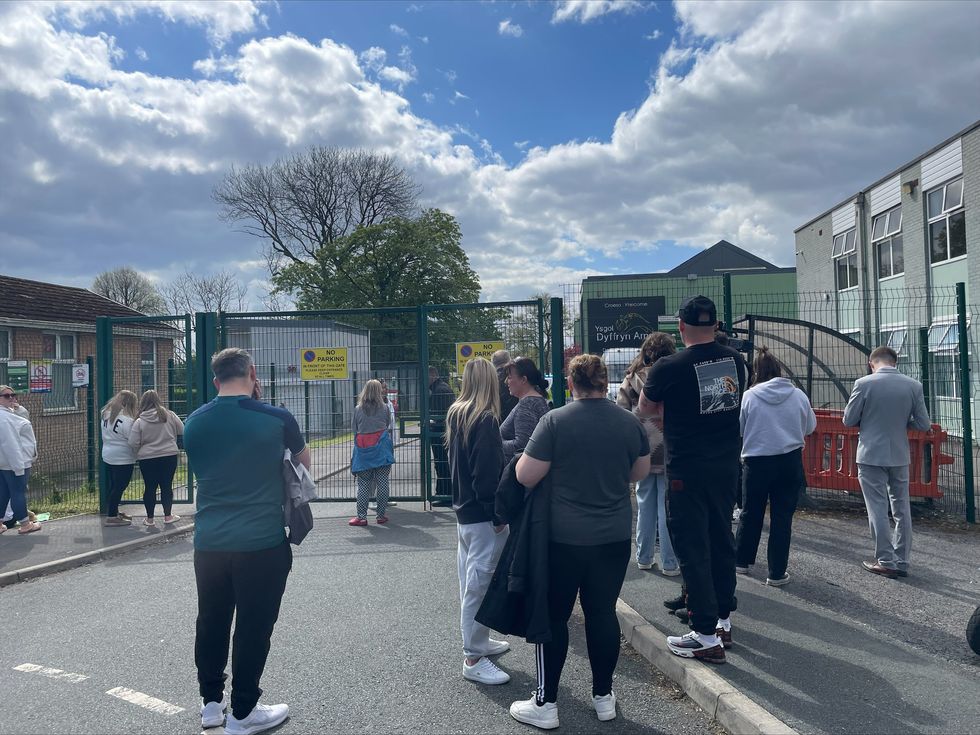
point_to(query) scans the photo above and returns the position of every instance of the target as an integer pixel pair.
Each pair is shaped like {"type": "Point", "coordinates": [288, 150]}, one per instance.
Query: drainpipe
{"type": "Point", "coordinates": [871, 289]}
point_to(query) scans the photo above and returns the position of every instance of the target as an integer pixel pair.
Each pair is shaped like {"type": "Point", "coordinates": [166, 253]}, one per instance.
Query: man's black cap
{"type": "Point", "coordinates": [698, 311]}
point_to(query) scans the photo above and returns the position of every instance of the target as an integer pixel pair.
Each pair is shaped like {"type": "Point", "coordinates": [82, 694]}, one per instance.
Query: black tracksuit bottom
{"type": "Point", "coordinates": [777, 480]}
{"type": "Point", "coordinates": [699, 519]}
{"type": "Point", "coordinates": [248, 586]}
{"type": "Point", "coordinates": [596, 574]}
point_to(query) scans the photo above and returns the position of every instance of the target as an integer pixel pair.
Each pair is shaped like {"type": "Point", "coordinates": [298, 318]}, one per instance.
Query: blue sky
{"type": "Point", "coordinates": [569, 138]}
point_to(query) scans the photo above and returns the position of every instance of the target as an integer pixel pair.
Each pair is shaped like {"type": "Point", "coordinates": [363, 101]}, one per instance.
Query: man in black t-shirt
{"type": "Point", "coordinates": [701, 392]}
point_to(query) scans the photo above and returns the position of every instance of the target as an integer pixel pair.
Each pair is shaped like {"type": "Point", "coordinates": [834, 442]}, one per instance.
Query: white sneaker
{"type": "Point", "coordinates": [485, 671]}
{"type": "Point", "coordinates": [641, 565]}
{"type": "Point", "coordinates": [529, 712]}
{"type": "Point", "coordinates": [736, 514]}
{"type": "Point", "coordinates": [262, 717]}
{"type": "Point", "coordinates": [213, 713]}
{"type": "Point", "coordinates": [497, 647]}
{"type": "Point", "coordinates": [605, 706]}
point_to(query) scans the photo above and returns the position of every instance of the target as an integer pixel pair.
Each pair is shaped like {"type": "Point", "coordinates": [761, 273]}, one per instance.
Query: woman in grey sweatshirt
{"type": "Point", "coordinates": [776, 419]}
{"type": "Point", "coordinates": [529, 387]}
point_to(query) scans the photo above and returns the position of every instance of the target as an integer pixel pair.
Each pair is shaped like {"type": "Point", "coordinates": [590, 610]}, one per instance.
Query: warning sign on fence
{"type": "Point", "coordinates": [41, 376]}
{"type": "Point", "coordinates": [79, 375]}
{"type": "Point", "coordinates": [323, 363]}
{"type": "Point", "coordinates": [466, 351]}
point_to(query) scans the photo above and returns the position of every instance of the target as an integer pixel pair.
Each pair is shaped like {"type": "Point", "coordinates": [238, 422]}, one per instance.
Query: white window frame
{"type": "Point", "coordinates": [943, 347]}
{"type": "Point", "coordinates": [889, 231]}
{"type": "Point", "coordinates": [60, 359]}
{"type": "Point", "coordinates": [947, 212]}
{"type": "Point", "coordinates": [144, 363]}
{"type": "Point", "coordinates": [890, 332]}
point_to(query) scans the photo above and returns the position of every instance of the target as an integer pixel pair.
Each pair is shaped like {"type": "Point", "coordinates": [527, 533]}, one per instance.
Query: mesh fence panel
{"type": "Point", "coordinates": [152, 354]}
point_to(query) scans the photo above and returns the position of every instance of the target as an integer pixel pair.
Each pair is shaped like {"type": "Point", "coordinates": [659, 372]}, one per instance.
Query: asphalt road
{"type": "Point", "coordinates": [368, 641]}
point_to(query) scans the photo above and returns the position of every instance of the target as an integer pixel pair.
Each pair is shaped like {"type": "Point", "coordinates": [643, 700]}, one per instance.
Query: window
{"type": "Point", "coordinates": [845, 259]}
{"type": "Point", "coordinates": [895, 337]}
{"type": "Point", "coordinates": [947, 222]}
{"type": "Point", "coordinates": [5, 352]}
{"type": "Point", "coordinates": [886, 238]}
{"type": "Point", "coordinates": [148, 365]}
{"type": "Point", "coordinates": [944, 345]}
{"type": "Point", "coordinates": [60, 349]}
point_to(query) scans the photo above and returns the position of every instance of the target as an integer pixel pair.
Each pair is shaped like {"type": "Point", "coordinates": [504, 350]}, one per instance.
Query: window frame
{"type": "Point", "coordinates": [60, 359]}
{"type": "Point", "coordinates": [887, 237]}
{"type": "Point", "coordinates": [152, 363]}
{"type": "Point", "coordinates": [943, 350]}
{"type": "Point", "coordinates": [844, 249]}
{"type": "Point", "coordinates": [888, 334]}
{"type": "Point", "coordinates": [944, 216]}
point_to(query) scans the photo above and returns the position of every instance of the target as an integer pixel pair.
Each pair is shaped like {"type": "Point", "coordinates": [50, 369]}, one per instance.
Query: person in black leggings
{"type": "Point", "coordinates": [159, 472]}
{"type": "Point", "coordinates": [589, 451]}
{"type": "Point", "coordinates": [156, 437]}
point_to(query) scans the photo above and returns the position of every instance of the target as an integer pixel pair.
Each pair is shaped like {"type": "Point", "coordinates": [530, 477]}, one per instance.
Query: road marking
{"type": "Point", "coordinates": [51, 673]}
{"type": "Point", "coordinates": [145, 701]}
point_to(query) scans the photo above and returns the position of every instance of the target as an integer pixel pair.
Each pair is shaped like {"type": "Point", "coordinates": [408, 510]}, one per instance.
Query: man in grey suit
{"type": "Point", "coordinates": [885, 405]}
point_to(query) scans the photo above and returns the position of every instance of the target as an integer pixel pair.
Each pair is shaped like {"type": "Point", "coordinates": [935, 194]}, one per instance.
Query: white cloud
{"type": "Point", "coordinates": [752, 125]}
{"type": "Point", "coordinates": [457, 96]}
{"type": "Point", "coordinates": [521, 145]}
{"type": "Point", "coordinates": [423, 39]}
{"type": "Point", "coordinates": [141, 54]}
{"type": "Point", "coordinates": [450, 75]}
{"type": "Point", "coordinates": [428, 97]}
{"type": "Point", "coordinates": [413, 8]}
{"type": "Point", "coordinates": [657, 33]}
{"type": "Point", "coordinates": [584, 11]}
{"type": "Point", "coordinates": [398, 30]}
{"type": "Point", "coordinates": [509, 28]}
{"type": "Point", "coordinates": [397, 76]}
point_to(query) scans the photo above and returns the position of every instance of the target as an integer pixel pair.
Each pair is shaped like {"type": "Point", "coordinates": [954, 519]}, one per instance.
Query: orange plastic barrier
{"type": "Point", "coordinates": [829, 457]}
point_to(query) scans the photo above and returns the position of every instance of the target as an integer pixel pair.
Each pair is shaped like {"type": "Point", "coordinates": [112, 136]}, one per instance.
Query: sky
{"type": "Point", "coordinates": [569, 138]}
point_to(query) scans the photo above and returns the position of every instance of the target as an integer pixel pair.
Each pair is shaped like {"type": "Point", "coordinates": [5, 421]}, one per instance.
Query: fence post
{"type": "Point", "coordinates": [542, 357]}
{"type": "Point", "coordinates": [170, 384]}
{"type": "Point", "coordinates": [423, 341]}
{"type": "Point", "coordinates": [924, 367]}
{"type": "Point", "coordinates": [206, 327]}
{"type": "Point", "coordinates": [306, 407]}
{"type": "Point", "coordinates": [272, 383]}
{"type": "Point", "coordinates": [966, 399]}
{"type": "Point", "coordinates": [103, 352]}
{"type": "Point", "coordinates": [90, 422]}
{"type": "Point", "coordinates": [557, 352]}
{"type": "Point", "coordinates": [727, 296]}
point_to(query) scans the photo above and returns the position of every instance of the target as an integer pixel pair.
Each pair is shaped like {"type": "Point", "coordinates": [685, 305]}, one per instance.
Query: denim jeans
{"type": "Point", "coordinates": [651, 520]}
{"type": "Point", "coordinates": [13, 490]}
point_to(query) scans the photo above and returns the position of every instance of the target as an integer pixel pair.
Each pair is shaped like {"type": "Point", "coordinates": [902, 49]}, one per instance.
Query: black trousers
{"type": "Point", "coordinates": [158, 472]}
{"type": "Point", "coordinates": [699, 519]}
{"type": "Point", "coordinates": [119, 476]}
{"type": "Point", "coordinates": [247, 585]}
{"type": "Point", "coordinates": [440, 459]}
{"type": "Point", "coordinates": [596, 574]}
{"type": "Point", "coordinates": [776, 480]}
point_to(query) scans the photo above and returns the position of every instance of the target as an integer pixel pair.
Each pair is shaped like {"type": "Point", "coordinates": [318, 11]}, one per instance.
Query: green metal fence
{"type": "Point", "coordinates": [823, 338]}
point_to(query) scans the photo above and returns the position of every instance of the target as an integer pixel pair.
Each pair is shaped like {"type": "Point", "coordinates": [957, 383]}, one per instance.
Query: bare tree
{"type": "Point", "coordinates": [300, 205]}
{"type": "Point", "coordinates": [131, 288]}
{"type": "Point", "coordinates": [220, 291]}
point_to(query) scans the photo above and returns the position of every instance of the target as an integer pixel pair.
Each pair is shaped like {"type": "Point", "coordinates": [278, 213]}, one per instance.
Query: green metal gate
{"type": "Point", "coordinates": [397, 344]}
{"type": "Point", "coordinates": [139, 354]}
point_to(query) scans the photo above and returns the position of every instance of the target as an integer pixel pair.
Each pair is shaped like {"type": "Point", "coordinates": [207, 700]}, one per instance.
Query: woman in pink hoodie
{"type": "Point", "coordinates": [154, 438]}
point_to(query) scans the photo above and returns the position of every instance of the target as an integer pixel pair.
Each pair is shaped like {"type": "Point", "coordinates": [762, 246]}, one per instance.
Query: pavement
{"type": "Point", "coordinates": [842, 650]}
{"type": "Point", "coordinates": [367, 641]}
{"type": "Point", "coordinates": [837, 650]}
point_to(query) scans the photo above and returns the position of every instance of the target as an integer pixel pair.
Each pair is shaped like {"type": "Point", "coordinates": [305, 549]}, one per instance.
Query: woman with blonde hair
{"type": "Point", "coordinates": [373, 452]}
{"type": "Point", "coordinates": [154, 437]}
{"type": "Point", "coordinates": [18, 450]}
{"type": "Point", "coordinates": [476, 459]}
{"type": "Point", "coordinates": [119, 458]}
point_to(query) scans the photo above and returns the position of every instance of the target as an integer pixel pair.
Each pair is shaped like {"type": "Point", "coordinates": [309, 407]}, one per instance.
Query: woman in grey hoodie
{"type": "Point", "coordinates": [154, 438]}
{"type": "Point", "coordinates": [776, 418]}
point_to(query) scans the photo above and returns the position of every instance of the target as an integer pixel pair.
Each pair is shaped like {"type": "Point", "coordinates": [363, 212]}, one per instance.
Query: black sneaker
{"type": "Point", "coordinates": [684, 614]}
{"type": "Point", "coordinates": [676, 603]}
{"type": "Point", "coordinates": [690, 646]}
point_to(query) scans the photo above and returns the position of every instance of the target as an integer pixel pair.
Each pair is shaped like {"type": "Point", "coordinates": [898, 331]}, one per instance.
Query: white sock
{"type": "Point", "coordinates": [726, 624]}
{"type": "Point", "coordinates": [709, 640]}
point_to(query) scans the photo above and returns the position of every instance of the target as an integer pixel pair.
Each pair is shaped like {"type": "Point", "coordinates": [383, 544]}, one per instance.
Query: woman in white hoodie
{"type": "Point", "coordinates": [118, 416]}
{"type": "Point", "coordinates": [18, 450]}
{"type": "Point", "coordinates": [154, 438]}
{"type": "Point", "coordinates": [776, 418]}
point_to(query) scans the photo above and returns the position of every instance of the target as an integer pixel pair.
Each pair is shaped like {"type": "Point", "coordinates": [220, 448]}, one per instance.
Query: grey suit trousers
{"type": "Point", "coordinates": [885, 487]}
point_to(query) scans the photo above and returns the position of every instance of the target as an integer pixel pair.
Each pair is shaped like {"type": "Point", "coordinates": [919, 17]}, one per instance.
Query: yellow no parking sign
{"type": "Point", "coordinates": [324, 363]}
{"type": "Point", "coordinates": [466, 351]}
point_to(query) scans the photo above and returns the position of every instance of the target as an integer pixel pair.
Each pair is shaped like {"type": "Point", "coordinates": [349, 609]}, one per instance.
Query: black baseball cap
{"type": "Point", "coordinates": [698, 311]}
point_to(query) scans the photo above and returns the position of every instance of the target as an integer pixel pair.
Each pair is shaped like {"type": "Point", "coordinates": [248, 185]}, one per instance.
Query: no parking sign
{"type": "Point", "coordinates": [41, 376]}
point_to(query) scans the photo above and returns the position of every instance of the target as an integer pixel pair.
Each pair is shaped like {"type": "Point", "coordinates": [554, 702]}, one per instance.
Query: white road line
{"type": "Point", "coordinates": [145, 701]}
{"type": "Point", "coordinates": [51, 673]}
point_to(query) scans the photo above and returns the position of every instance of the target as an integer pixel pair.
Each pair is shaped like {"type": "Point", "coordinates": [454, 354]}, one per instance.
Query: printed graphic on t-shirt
{"type": "Point", "coordinates": [718, 384]}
